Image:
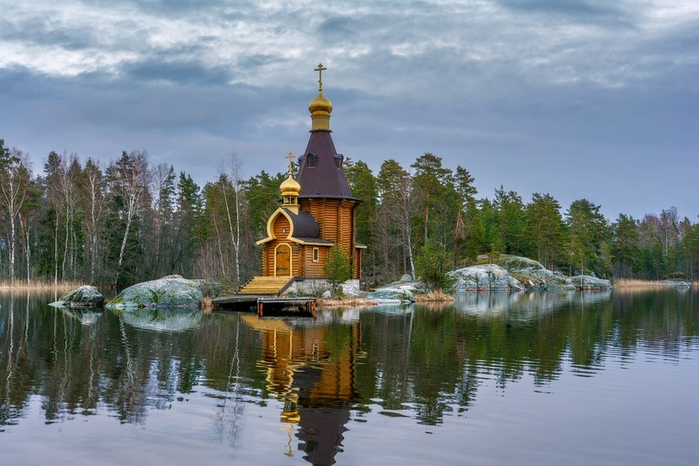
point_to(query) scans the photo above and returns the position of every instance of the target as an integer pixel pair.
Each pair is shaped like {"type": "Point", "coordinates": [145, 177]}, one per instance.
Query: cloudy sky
{"type": "Point", "coordinates": [576, 98]}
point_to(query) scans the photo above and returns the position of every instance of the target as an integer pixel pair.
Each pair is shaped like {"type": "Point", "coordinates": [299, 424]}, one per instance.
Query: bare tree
{"type": "Point", "coordinates": [15, 180]}
{"type": "Point", "coordinates": [129, 180]}
{"type": "Point", "coordinates": [95, 200]}
{"type": "Point", "coordinates": [164, 187]}
{"type": "Point", "coordinates": [68, 193]}
{"type": "Point", "coordinates": [236, 181]}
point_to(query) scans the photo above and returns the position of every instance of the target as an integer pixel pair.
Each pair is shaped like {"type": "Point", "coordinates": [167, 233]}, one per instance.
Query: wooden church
{"type": "Point", "coordinates": [317, 212]}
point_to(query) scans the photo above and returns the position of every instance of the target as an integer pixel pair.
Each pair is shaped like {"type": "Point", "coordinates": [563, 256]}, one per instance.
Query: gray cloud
{"type": "Point", "coordinates": [573, 8]}
{"type": "Point", "coordinates": [175, 72]}
{"type": "Point", "coordinates": [575, 98]}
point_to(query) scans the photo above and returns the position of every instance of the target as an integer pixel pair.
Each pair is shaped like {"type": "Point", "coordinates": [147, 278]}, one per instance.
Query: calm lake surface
{"type": "Point", "coordinates": [556, 378]}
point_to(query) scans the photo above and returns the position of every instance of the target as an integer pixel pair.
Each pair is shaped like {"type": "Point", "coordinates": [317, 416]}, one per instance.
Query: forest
{"type": "Point", "coordinates": [117, 224]}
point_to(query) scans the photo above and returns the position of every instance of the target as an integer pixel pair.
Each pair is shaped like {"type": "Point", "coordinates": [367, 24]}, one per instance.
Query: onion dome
{"type": "Point", "coordinates": [290, 187]}
{"type": "Point", "coordinates": [321, 105]}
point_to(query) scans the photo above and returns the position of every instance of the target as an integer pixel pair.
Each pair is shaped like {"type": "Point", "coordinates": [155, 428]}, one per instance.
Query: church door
{"type": "Point", "coordinates": [283, 260]}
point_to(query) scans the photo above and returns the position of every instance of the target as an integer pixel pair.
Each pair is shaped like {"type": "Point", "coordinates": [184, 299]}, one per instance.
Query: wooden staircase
{"type": "Point", "coordinates": [266, 286]}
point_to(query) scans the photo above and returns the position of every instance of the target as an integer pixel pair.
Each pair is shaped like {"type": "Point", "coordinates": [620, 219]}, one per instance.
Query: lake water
{"type": "Point", "coordinates": [556, 378]}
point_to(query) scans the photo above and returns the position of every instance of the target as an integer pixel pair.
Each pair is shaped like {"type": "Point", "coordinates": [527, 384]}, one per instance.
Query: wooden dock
{"type": "Point", "coordinates": [266, 305]}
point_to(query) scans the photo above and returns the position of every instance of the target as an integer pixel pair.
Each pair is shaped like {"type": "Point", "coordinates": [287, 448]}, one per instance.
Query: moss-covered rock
{"type": "Point", "coordinates": [533, 275]}
{"type": "Point", "coordinates": [86, 296]}
{"type": "Point", "coordinates": [588, 282]}
{"type": "Point", "coordinates": [170, 291]}
{"type": "Point", "coordinates": [392, 294]}
{"type": "Point", "coordinates": [488, 277]}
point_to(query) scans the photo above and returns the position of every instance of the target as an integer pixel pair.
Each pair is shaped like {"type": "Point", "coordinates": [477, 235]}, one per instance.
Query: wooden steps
{"type": "Point", "coordinates": [265, 286]}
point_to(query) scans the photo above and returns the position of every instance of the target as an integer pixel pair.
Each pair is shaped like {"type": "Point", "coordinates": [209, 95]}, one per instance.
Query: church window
{"type": "Point", "coordinates": [311, 160]}
{"type": "Point", "coordinates": [316, 254]}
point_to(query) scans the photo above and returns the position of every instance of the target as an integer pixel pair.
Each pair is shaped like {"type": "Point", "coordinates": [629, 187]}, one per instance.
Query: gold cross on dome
{"type": "Point", "coordinates": [291, 165]}
{"type": "Point", "coordinates": [320, 70]}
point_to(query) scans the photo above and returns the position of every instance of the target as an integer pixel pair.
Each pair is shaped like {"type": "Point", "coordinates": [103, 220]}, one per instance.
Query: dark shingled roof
{"type": "Point", "coordinates": [305, 226]}
{"type": "Point", "coordinates": [320, 169]}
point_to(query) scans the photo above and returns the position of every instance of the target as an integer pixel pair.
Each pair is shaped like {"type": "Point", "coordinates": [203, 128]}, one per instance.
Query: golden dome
{"type": "Point", "coordinates": [290, 187]}
{"type": "Point", "coordinates": [321, 105]}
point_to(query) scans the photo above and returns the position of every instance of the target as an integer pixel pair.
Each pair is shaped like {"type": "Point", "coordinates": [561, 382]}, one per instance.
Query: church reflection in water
{"type": "Point", "coordinates": [312, 370]}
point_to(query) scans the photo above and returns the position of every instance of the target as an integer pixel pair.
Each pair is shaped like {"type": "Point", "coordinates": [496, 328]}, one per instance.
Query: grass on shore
{"type": "Point", "coordinates": [636, 284]}
{"type": "Point", "coordinates": [345, 302]}
{"type": "Point", "coordinates": [39, 285]}
{"type": "Point", "coordinates": [437, 296]}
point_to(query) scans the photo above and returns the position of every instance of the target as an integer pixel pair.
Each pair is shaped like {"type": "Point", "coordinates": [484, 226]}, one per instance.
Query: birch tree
{"type": "Point", "coordinates": [94, 200]}
{"type": "Point", "coordinates": [399, 206]}
{"type": "Point", "coordinates": [164, 185]}
{"type": "Point", "coordinates": [128, 179]}
{"type": "Point", "coordinates": [15, 181]}
{"type": "Point", "coordinates": [236, 184]}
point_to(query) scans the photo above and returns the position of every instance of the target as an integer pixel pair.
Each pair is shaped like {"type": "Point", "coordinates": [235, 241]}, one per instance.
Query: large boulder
{"type": "Point", "coordinates": [85, 296]}
{"type": "Point", "coordinates": [533, 275]}
{"type": "Point", "coordinates": [588, 282]}
{"type": "Point", "coordinates": [679, 284]}
{"type": "Point", "coordinates": [525, 266]}
{"type": "Point", "coordinates": [170, 291]}
{"type": "Point", "coordinates": [407, 282]}
{"type": "Point", "coordinates": [389, 295]}
{"type": "Point", "coordinates": [488, 277]}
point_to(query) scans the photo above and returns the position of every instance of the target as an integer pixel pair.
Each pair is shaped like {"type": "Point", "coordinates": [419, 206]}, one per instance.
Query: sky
{"type": "Point", "coordinates": [592, 99]}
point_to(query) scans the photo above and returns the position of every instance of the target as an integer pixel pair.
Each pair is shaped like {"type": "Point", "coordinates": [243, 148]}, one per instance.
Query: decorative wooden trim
{"type": "Point", "coordinates": [270, 227]}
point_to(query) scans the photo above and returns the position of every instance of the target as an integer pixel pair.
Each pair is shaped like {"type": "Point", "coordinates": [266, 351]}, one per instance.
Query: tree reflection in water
{"type": "Point", "coordinates": [424, 363]}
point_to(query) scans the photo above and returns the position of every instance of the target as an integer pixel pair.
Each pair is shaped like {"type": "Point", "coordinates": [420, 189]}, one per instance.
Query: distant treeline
{"type": "Point", "coordinates": [130, 221]}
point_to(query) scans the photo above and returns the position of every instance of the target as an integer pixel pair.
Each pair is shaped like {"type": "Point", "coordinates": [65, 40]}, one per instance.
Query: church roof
{"type": "Point", "coordinates": [304, 225]}
{"type": "Point", "coordinates": [320, 169]}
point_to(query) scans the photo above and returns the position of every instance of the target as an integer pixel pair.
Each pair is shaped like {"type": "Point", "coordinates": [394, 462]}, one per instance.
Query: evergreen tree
{"type": "Point", "coordinates": [128, 180]}
{"type": "Point", "coordinates": [337, 268]}
{"type": "Point", "coordinates": [474, 232]}
{"type": "Point", "coordinates": [364, 186]}
{"type": "Point", "coordinates": [511, 228]}
{"type": "Point", "coordinates": [545, 228]}
{"type": "Point", "coordinates": [625, 250]}
{"type": "Point", "coordinates": [589, 230]}
{"type": "Point", "coordinates": [187, 225]}
{"type": "Point", "coordinates": [468, 230]}
{"type": "Point", "coordinates": [432, 264]}
{"type": "Point", "coordinates": [433, 182]}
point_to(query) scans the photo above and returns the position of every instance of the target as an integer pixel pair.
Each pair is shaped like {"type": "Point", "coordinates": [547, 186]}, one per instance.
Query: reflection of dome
{"type": "Point", "coordinates": [321, 105]}
{"type": "Point", "coordinates": [290, 187]}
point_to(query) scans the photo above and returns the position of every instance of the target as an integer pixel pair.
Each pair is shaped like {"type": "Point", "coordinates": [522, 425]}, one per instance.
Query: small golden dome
{"type": "Point", "coordinates": [321, 105]}
{"type": "Point", "coordinates": [290, 187]}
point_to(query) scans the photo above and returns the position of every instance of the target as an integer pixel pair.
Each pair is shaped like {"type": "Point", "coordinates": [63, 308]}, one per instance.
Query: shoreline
{"type": "Point", "coordinates": [625, 284]}
{"type": "Point", "coordinates": [429, 298]}
{"type": "Point", "coordinates": [40, 286]}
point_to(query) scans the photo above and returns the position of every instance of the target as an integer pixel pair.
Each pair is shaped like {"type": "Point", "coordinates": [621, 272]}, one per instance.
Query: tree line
{"type": "Point", "coordinates": [130, 220]}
